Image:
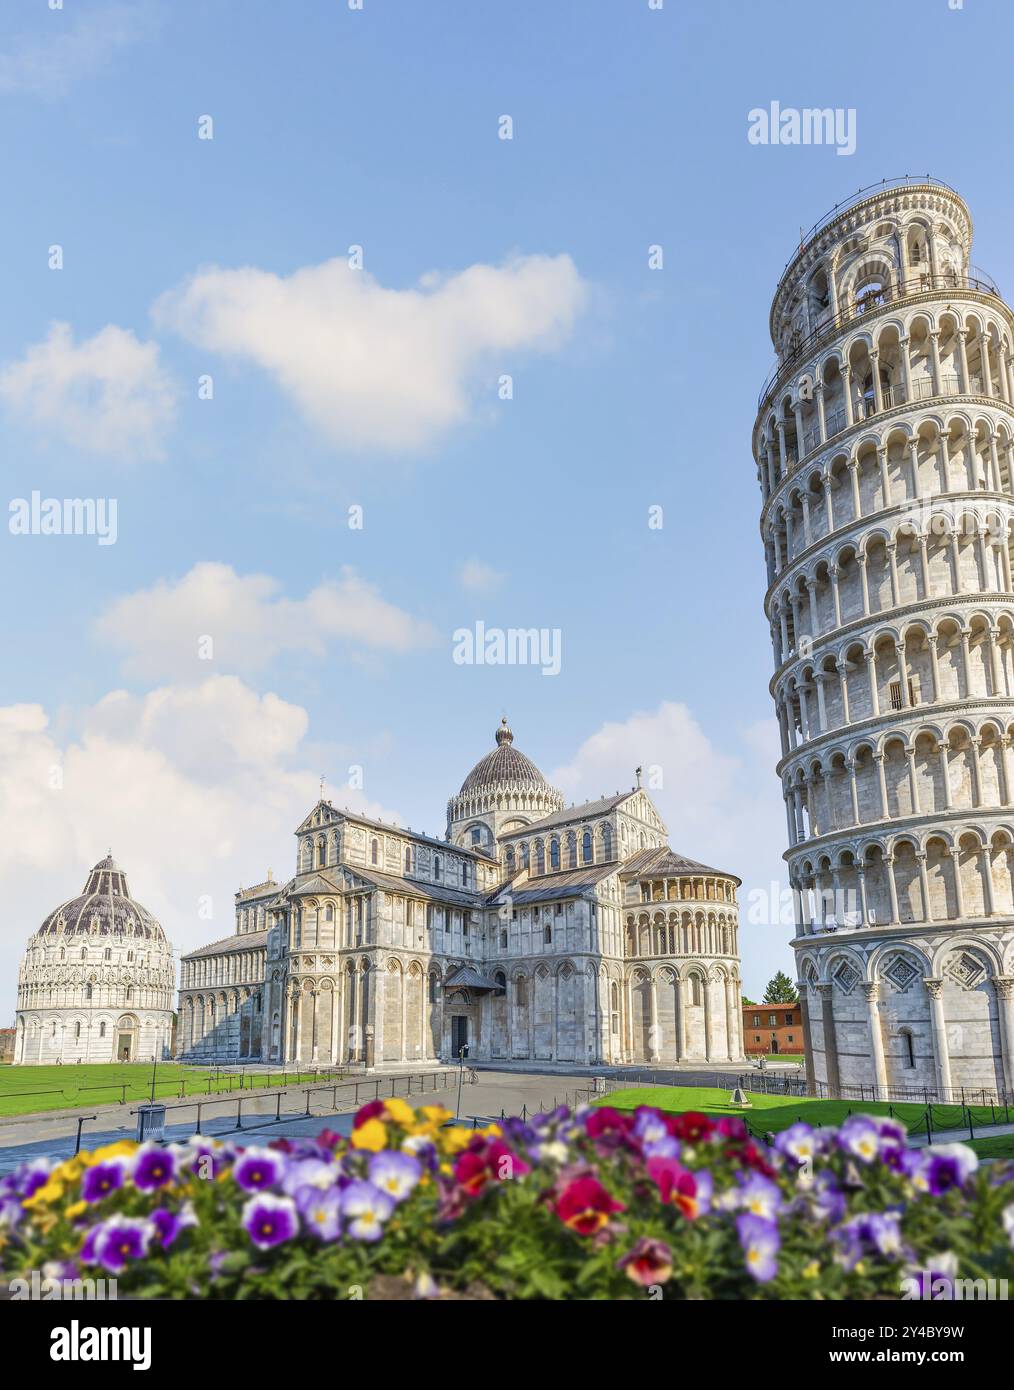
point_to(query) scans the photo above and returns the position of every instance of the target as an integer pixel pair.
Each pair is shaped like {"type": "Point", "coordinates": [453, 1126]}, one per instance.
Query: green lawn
{"type": "Point", "coordinates": [774, 1113]}
{"type": "Point", "coordinates": [999, 1146]}
{"type": "Point", "coordinates": [25, 1090]}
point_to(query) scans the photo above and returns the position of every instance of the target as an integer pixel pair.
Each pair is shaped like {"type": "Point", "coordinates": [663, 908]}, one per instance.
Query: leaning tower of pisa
{"type": "Point", "coordinates": [883, 444]}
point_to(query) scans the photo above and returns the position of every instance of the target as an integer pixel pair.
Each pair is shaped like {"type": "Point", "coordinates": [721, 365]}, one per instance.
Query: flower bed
{"type": "Point", "coordinates": [593, 1204]}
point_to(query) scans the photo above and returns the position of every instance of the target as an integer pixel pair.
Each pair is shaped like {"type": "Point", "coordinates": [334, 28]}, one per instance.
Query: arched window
{"type": "Point", "coordinates": [374, 852]}
{"type": "Point", "coordinates": [437, 866]}
{"type": "Point", "coordinates": [908, 1051]}
{"type": "Point", "coordinates": [524, 855]}
{"type": "Point", "coordinates": [88, 991]}
{"type": "Point", "coordinates": [547, 935]}
{"type": "Point", "coordinates": [586, 847]}
{"type": "Point", "coordinates": [614, 1006]}
{"type": "Point", "coordinates": [77, 1031]}
{"type": "Point", "coordinates": [433, 989]}
{"type": "Point", "coordinates": [102, 1030]}
{"type": "Point", "coordinates": [510, 859]}
{"type": "Point", "coordinates": [130, 992]}
{"type": "Point", "coordinates": [329, 913]}
{"type": "Point", "coordinates": [520, 991]}
{"type": "Point", "coordinates": [695, 989]}
{"type": "Point", "coordinates": [607, 843]}
{"type": "Point", "coordinates": [84, 953]}
{"type": "Point", "coordinates": [408, 859]}
{"type": "Point", "coordinates": [554, 854]}
{"type": "Point", "coordinates": [108, 953]}
{"type": "Point", "coordinates": [501, 982]}
{"type": "Point", "coordinates": [540, 858]}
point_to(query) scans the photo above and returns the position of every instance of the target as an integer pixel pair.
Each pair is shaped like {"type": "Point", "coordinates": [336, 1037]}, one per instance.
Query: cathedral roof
{"type": "Point", "coordinates": [505, 766]}
{"type": "Point", "coordinates": [586, 810]}
{"type": "Point", "coordinates": [571, 883]}
{"type": "Point", "coordinates": [245, 941]}
{"type": "Point", "coordinates": [664, 862]}
{"type": "Point", "coordinates": [105, 901]}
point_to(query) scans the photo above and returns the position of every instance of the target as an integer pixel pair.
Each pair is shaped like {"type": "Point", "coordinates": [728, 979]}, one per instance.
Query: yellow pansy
{"type": "Point", "coordinates": [812, 1270]}
{"type": "Point", "coordinates": [456, 1138]}
{"type": "Point", "coordinates": [50, 1191]}
{"type": "Point", "coordinates": [400, 1112]}
{"type": "Point", "coordinates": [123, 1148]}
{"type": "Point", "coordinates": [372, 1135]}
{"type": "Point", "coordinates": [436, 1114]}
{"type": "Point", "coordinates": [75, 1209]}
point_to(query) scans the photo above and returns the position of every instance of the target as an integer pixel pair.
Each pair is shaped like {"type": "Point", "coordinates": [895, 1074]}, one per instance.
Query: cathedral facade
{"type": "Point", "coordinates": [532, 932]}
{"type": "Point", "coordinates": [884, 445]}
{"type": "Point", "coordinates": [96, 980]}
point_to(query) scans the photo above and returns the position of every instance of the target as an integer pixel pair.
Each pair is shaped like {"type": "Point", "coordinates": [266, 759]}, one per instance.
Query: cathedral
{"type": "Point", "coordinates": [533, 931]}
{"type": "Point", "coordinates": [96, 981]}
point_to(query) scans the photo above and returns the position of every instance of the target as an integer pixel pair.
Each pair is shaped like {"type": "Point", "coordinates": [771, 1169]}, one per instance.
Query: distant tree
{"type": "Point", "coordinates": [750, 1003]}
{"type": "Point", "coordinates": [781, 990]}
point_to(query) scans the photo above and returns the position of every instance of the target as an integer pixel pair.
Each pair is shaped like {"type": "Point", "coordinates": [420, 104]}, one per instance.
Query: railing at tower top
{"type": "Point", "coordinates": [884, 186]}
{"type": "Point", "coordinates": [857, 308]}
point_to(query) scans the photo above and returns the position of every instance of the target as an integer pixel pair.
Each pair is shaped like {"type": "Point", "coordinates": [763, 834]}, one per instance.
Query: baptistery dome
{"type": "Point", "coordinates": [503, 791]}
{"type": "Point", "coordinates": [97, 979]}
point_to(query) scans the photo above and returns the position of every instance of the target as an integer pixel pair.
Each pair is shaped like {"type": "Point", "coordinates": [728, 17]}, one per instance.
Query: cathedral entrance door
{"type": "Point", "coordinates": [459, 1035]}
{"type": "Point", "coordinates": [123, 1047]}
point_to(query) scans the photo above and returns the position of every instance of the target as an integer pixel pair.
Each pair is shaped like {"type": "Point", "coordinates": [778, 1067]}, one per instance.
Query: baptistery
{"type": "Point", "coordinates": [97, 979]}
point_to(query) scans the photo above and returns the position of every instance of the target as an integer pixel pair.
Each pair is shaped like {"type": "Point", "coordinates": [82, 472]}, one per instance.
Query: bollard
{"type": "Point", "coordinates": [239, 1113]}
{"type": "Point", "coordinates": [200, 1103]}
{"type": "Point", "coordinates": [80, 1122]}
{"type": "Point", "coordinates": [278, 1106]}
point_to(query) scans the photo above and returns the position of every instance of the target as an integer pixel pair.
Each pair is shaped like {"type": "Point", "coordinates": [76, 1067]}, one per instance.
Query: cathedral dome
{"type": "Point", "coordinates": [505, 766]}
{"type": "Point", "coordinates": [104, 908]}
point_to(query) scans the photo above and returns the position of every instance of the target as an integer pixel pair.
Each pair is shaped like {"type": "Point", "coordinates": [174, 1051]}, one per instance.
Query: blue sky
{"type": "Point", "coordinates": [632, 388]}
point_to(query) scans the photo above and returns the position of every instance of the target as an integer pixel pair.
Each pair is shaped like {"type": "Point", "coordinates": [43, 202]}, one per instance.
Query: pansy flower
{"type": "Point", "coordinates": [761, 1197]}
{"type": "Point", "coordinates": [860, 1137]}
{"type": "Point", "coordinates": [760, 1242]}
{"type": "Point", "coordinates": [102, 1179]}
{"type": "Point", "coordinates": [153, 1167]}
{"type": "Point", "coordinates": [321, 1211]}
{"type": "Point", "coordinates": [309, 1172]}
{"type": "Point", "coordinates": [258, 1169]}
{"type": "Point", "coordinates": [677, 1186]}
{"type": "Point", "coordinates": [366, 1209]}
{"type": "Point", "coordinates": [585, 1206]}
{"type": "Point", "coordinates": [395, 1173]}
{"type": "Point", "coordinates": [648, 1263]}
{"type": "Point", "coordinates": [117, 1242]}
{"type": "Point", "coordinates": [269, 1220]}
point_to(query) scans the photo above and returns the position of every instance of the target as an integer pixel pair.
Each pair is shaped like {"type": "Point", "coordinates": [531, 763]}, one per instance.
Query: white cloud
{"type": "Point", "coordinates": [72, 50]}
{"type": "Point", "coordinates": [108, 394]}
{"type": "Point", "coordinates": [722, 806]}
{"type": "Point", "coordinates": [372, 367]}
{"type": "Point", "coordinates": [480, 578]}
{"type": "Point", "coordinates": [195, 791]}
{"type": "Point", "coordinates": [159, 630]}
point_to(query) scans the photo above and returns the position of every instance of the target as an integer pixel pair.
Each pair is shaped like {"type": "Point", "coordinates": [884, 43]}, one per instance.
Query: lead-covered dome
{"type": "Point", "coordinates": [505, 766]}
{"type": "Point", "coordinates": [104, 908]}
{"type": "Point", "coordinates": [504, 789]}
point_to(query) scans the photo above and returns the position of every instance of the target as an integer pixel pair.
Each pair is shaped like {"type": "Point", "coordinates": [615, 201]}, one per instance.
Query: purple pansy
{"type": "Point", "coordinates": [269, 1220]}
{"type": "Point", "coordinates": [117, 1242]}
{"type": "Point", "coordinates": [367, 1208]}
{"type": "Point", "coordinates": [321, 1211]}
{"type": "Point", "coordinates": [258, 1169]}
{"type": "Point", "coordinates": [153, 1167]}
{"type": "Point", "coordinates": [395, 1173]}
{"type": "Point", "coordinates": [760, 1242]}
{"type": "Point", "coordinates": [102, 1179]}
